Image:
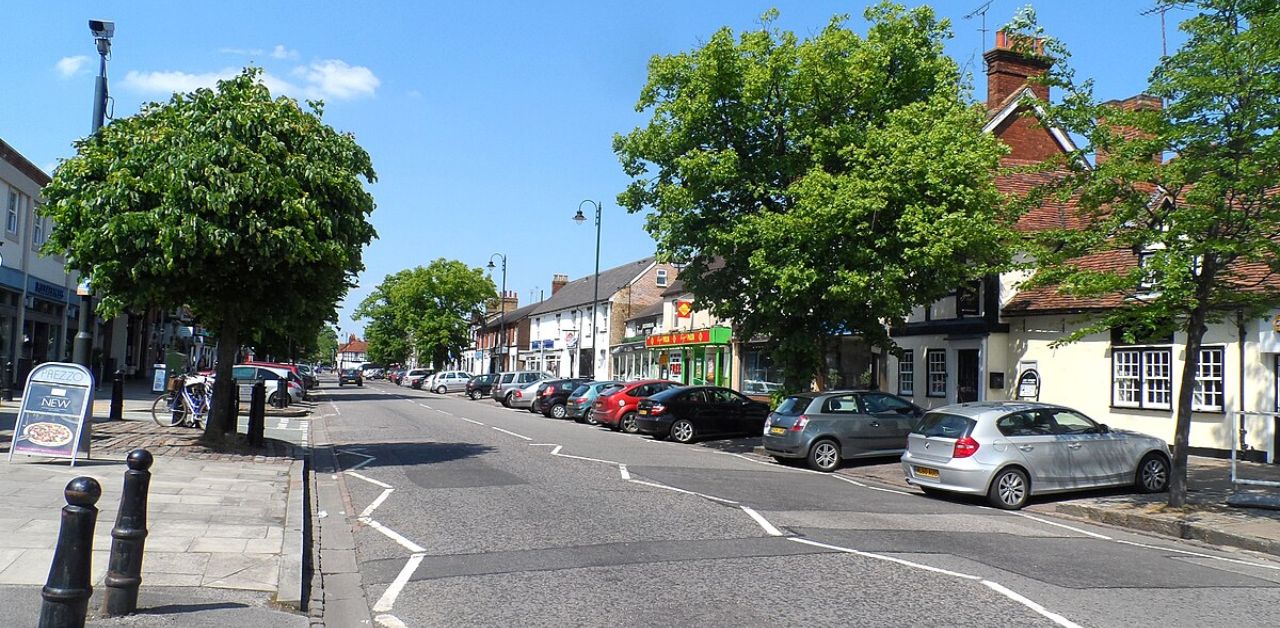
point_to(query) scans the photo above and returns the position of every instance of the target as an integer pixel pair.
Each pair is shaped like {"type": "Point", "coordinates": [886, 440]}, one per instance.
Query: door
{"type": "Point", "coordinates": [894, 415]}
{"type": "Point", "coordinates": [1097, 459]}
{"type": "Point", "coordinates": [723, 412]}
{"type": "Point", "coordinates": [1031, 434]}
{"type": "Point", "coordinates": [851, 425]}
{"type": "Point", "coordinates": [966, 375]}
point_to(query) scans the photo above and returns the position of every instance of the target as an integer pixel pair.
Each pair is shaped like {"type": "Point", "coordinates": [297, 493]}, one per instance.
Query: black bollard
{"type": "Point", "coordinates": [257, 413]}
{"type": "Point", "coordinates": [124, 569]}
{"type": "Point", "coordinates": [234, 424]}
{"type": "Point", "coordinates": [117, 396]}
{"type": "Point", "coordinates": [8, 381]}
{"type": "Point", "coordinates": [67, 591]}
{"type": "Point", "coordinates": [282, 393]}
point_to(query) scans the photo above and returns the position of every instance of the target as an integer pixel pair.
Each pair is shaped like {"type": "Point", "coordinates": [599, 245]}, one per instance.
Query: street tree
{"type": "Point", "coordinates": [821, 186]}
{"type": "Point", "coordinates": [324, 348]}
{"type": "Point", "coordinates": [427, 310]}
{"type": "Point", "coordinates": [245, 208]}
{"type": "Point", "coordinates": [1187, 187]}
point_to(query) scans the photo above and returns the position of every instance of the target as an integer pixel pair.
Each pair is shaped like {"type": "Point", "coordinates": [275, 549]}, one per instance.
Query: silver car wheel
{"type": "Point", "coordinates": [558, 411]}
{"type": "Point", "coordinates": [826, 455]}
{"type": "Point", "coordinates": [1154, 474]}
{"type": "Point", "coordinates": [682, 431]}
{"type": "Point", "coordinates": [1012, 489]}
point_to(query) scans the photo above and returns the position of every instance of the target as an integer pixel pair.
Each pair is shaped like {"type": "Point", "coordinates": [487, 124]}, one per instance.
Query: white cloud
{"type": "Point", "coordinates": [170, 82]}
{"type": "Point", "coordinates": [280, 52]}
{"type": "Point", "coordinates": [334, 78]}
{"type": "Point", "coordinates": [69, 66]}
{"type": "Point", "coordinates": [243, 52]}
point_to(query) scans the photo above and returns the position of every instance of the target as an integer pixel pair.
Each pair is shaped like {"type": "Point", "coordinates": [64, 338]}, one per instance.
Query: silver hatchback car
{"type": "Point", "coordinates": [1011, 450]}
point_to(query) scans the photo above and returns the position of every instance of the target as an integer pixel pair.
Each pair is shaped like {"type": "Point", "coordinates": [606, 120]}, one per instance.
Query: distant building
{"type": "Point", "coordinates": [353, 353]}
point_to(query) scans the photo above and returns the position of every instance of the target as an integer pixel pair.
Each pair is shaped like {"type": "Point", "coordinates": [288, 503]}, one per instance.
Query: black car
{"type": "Point", "coordinates": [350, 376]}
{"type": "Point", "coordinates": [688, 413]}
{"type": "Point", "coordinates": [480, 385]}
{"type": "Point", "coordinates": [553, 394]}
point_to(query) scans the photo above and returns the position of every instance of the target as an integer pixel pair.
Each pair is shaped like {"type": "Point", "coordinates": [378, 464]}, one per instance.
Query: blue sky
{"type": "Point", "coordinates": [488, 122]}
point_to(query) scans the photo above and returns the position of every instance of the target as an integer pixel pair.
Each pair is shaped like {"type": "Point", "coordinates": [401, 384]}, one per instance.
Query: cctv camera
{"type": "Point", "coordinates": [102, 29]}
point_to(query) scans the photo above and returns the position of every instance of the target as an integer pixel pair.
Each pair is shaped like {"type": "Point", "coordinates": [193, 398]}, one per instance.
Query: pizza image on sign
{"type": "Point", "coordinates": [48, 434]}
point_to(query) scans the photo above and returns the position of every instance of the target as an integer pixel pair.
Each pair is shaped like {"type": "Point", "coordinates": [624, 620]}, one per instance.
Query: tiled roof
{"type": "Point", "coordinates": [496, 320]}
{"type": "Point", "coordinates": [1050, 213]}
{"type": "Point", "coordinates": [354, 346]}
{"type": "Point", "coordinates": [652, 310]}
{"type": "Point", "coordinates": [580, 291]}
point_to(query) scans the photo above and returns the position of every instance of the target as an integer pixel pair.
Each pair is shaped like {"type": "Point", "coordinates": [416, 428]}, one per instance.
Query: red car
{"type": "Point", "coordinates": [618, 410]}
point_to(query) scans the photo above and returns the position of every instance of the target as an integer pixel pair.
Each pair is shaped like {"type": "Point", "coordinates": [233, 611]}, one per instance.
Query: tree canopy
{"type": "Point", "coordinates": [245, 208]}
{"type": "Point", "coordinates": [426, 310]}
{"type": "Point", "coordinates": [1186, 187]}
{"type": "Point", "coordinates": [840, 180]}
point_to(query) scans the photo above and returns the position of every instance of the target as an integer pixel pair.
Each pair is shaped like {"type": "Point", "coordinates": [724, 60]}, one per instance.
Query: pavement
{"type": "Point", "coordinates": [225, 542]}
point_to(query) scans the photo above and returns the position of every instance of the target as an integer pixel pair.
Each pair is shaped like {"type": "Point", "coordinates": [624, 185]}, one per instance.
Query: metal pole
{"type": "Point", "coordinates": [502, 325]}
{"type": "Point", "coordinates": [82, 347]}
{"type": "Point", "coordinates": [129, 536]}
{"type": "Point", "coordinates": [595, 298]}
{"type": "Point", "coordinates": [67, 591]}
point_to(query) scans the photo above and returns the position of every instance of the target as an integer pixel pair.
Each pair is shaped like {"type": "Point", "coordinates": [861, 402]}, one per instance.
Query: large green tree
{"type": "Point", "coordinates": [1190, 188]}
{"type": "Point", "coordinates": [837, 182]}
{"type": "Point", "coordinates": [245, 208]}
{"type": "Point", "coordinates": [427, 309]}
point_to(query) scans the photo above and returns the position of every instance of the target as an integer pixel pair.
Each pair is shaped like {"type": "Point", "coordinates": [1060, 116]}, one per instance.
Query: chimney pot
{"type": "Point", "coordinates": [557, 282]}
{"type": "Point", "coordinates": [1009, 68]}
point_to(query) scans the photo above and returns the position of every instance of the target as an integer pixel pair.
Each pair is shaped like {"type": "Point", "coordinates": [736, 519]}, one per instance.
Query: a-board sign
{"type": "Point", "coordinates": [55, 418]}
{"type": "Point", "coordinates": [1029, 385]}
{"type": "Point", "coordinates": [160, 378]}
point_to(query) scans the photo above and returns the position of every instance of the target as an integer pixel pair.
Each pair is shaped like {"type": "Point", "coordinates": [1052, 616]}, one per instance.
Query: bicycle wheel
{"type": "Point", "coordinates": [163, 410]}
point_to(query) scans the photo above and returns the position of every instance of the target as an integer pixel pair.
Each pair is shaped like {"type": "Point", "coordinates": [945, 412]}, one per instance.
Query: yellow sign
{"type": "Point", "coordinates": [1275, 323]}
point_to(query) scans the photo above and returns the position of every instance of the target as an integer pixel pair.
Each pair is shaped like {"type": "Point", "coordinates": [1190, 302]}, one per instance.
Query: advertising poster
{"type": "Point", "coordinates": [54, 420]}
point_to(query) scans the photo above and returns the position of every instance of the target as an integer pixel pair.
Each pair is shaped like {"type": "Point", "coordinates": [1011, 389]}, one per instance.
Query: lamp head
{"type": "Point", "coordinates": [578, 217]}
{"type": "Point", "coordinates": [102, 29]}
{"type": "Point", "coordinates": [490, 265]}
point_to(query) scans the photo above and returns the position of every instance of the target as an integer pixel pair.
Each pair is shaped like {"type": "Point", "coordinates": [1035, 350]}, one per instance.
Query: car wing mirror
{"type": "Point", "coordinates": [1104, 428]}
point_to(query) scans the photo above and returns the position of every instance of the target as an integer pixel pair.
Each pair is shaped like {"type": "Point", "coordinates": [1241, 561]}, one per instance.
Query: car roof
{"type": "Point", "coordinates": [977, 409]}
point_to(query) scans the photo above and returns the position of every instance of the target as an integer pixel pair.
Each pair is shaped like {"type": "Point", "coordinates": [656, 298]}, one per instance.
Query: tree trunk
{"type": "Point", "coordinates": [820, 381]}
{"type": "Point", "coordinates": [1186, 390]}
{"type": "Point", "coordinates": [224, 410]}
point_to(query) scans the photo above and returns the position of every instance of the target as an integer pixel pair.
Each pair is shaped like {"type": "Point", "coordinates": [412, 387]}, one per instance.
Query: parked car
{"type": "Point", "coordinates": [309, 378]}
{"type": "Point", "coordinates": [523, 397]}
{"type": "Point", "coordinates": [448, 381]}
{"type": "Point", "coordinates": [350, 376]}
{"type": "Point", "coordinates": [291, 373]}
{"type": "Point", "coordinates": [693, 412]}
{"type": "Point", "coordinates": [375, 373]}
{"type": "Point", "coordinates": [505, 386]}
{"type": "Point", "coordinates": [617, 410]}
{"type": "Point", "coordinates": [553, 396]}
{"type": "Point", "coordinates": [578, 406]}
{"type": "Point", "coordinates": [480, 385]}
{"type": "Point", "coordinates": [246, 375]}
{"type": "Point", "coordinates": [826, 428]}
{"type": "Point", "coordinates": [415, 377]}
{"type": "Point", "coordinates": [395, 376]}
{"type": "Point", "coordinates": [1011, 450]}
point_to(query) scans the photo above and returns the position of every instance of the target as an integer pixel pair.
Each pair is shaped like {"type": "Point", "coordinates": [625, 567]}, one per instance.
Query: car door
{"type": "Point", "coordinates": [1097, 458]}
{"type": "Point", "coordinates": [1031, 434]}
{"type": "Point", "coordinates": [719, 413]}
{"type": "Point", "coordinates": [691, 405]}
{"type": "Point", "coordinates": [893, 418]}
{"type": "Point", "coordinates": [843, 415]}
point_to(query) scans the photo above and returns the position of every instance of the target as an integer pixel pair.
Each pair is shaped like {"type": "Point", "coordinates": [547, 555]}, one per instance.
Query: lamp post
{"type": "Point", "coordinates": [595, 295]}
{"type": "Point", "coordinates": [502, 309]}
{"type": "Point", "coordinates": [103, 30]}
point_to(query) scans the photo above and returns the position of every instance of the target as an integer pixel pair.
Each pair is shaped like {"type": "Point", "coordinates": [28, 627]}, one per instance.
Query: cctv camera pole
{"type": "Point", "coordinates": [82, 348]}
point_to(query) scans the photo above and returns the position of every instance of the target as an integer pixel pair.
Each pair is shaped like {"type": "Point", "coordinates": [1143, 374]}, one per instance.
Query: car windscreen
{"type": "Point", "coordinates": [793, 405]}
{"type": "Point", "coordinates": [609, 389]}
{"type": "Point", "coordinates": [580, 390]}
{"type": "Point", "coordinates": [944, 425]}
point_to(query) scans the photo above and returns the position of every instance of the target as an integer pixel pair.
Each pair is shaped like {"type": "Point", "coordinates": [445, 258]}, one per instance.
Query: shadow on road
{"type": "Point", "coordinates": [406, 453]}
{"type": "Point", "coordinates": [741, 445]}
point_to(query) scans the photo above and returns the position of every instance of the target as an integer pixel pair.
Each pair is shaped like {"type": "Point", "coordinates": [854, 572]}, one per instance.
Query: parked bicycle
{"type": "Point", "coordinates": [186, 403]}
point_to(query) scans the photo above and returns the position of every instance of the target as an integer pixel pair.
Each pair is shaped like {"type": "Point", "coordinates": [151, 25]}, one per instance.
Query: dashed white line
{"type": "Point", "coordinates": [764, 523]}
{"type": "Point", "coordinates": [869, 487]}
{"type": "Point", "coordinates": [368, 479]}
{"type": "Point", "coordinates": [1198, 554]}
{"type": "Point", "coordinates": [1051, 616]}
{"type": "Point", "coordinates": [470, 420]}
{"type": "Point", "coordinates": [686, 492]}
{"type": "Point", "coordinates": [510, 433]}
{"type": "Point", "coordinates": [376, 502]}
{"type": "Point", "coordinates": [622, 468]}
{"type": "Point", "coordinates": [393, 535]}
{"type": "Point", "coordinates": [389, 621]}
{"type": "Point", "coordinates": [389, 596]}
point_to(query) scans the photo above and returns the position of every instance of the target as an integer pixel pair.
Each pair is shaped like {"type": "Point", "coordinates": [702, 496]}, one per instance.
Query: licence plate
{"type": "Point", "coordinates": [644, 412]}
{"type": "Point", "coordinates": [926, 472]}
{"type": "Point", "coordinates": [777, 431]}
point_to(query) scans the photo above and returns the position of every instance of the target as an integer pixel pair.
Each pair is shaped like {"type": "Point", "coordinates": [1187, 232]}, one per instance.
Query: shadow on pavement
{"type": "Point", "coordinates": [173, 609]}
{"type": "Point", "coordinates": [406, 453]}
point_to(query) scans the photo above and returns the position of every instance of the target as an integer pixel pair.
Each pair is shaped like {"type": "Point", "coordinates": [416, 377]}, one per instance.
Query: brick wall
{"type": "Point", "coordinates": [642, 293]}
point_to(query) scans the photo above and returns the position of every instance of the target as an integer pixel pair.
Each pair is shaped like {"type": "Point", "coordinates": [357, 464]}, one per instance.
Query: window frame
{"type": "Point", "coordinates": [660, 278]}
{"type": "Point", "coordinates": [907, 367]}
{"type": "Point", "coordinates": [1197, 404]}
{"type": "Point", "coordinates": [13, 221]}
{"type": "Point", "coordinates": [37, 232]}
{"type": "Point", "coordinates": [1147, 358]}
{"type": "Point", "coordinates": [930, 373]}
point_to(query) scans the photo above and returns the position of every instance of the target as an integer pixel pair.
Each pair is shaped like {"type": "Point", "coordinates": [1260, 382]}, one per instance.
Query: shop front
{"type": "Point", "coordinates": [695, 357]}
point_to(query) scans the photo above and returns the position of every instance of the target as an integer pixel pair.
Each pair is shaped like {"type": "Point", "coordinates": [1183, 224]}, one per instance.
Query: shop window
{"type": "Point", "coordinates": [759, 375]}
{"type": "Point", "coordinates": [937, 363]}
{"type": "Point", "coordinates": [907, 373]}
{"type": "Point", "coordinates": [1208, 395]}
{"type": "Point", "coordinates": [1142, 378]}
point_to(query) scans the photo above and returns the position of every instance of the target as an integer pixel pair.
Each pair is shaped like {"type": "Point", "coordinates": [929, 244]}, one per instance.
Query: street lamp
{"type": "Point", "coordinates": [595, 295]}
{"type": "Point", "coordinates": [103, 30]}
{"type": "Point", "coordinates": [502, 305]}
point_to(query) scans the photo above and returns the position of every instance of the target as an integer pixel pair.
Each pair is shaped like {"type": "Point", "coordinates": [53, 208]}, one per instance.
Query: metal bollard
{"type": "Point", "coordinates": [67, 591]}
{"type": "Point", "coordinates": [282, 393]}
{"type": "Point", "coordinates": [234, 424]}
{"type": "Point", "coordinates": [8, 381]}
{"type": "Point", "coordinates": [117, 396]}
{"type": "Point", "coordinates": [257, 413]}
{"type": "Point", "coordinates": [124, 570]}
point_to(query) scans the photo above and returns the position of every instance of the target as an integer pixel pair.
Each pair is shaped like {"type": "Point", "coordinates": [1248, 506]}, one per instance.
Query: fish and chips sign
{"type": "Point", "coordinates": [55, 418]}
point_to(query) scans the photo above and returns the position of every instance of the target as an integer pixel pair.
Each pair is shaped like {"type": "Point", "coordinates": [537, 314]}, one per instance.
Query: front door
{"type": "Point", "coordinates": [966, 375]}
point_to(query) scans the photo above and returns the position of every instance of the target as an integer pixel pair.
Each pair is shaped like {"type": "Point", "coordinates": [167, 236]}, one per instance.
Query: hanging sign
{"type": "Point", "coordinates": [55, 420]}
{"type": "Point", "coordinates": [684, 309]}
{"type": "Point", "coordinates": [1029, 385]}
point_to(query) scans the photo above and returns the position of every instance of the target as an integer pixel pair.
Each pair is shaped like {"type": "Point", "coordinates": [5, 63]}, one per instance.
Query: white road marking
{"type": "Point", "coordinates": [470, 421]}
{"type": "Point", "coordinates": [1051, 616]}
{"type": "Point", "coordinates": [1199, 555]}
{"type": "Point", "coordinates": [389, 596]}
{"type": "Point", "coordinates": [393, 535]}
{"type": "Point", "coordinates": [686, 492]}
{"type": "Point", "coordinates": [626, 475]}
{"type": "Point", "coordinates": [543, 445]}
{"type": "Point", "coordinates": [389, 621]}
{"type": "Point", "coordinates": [376, 502]}
{"type": "Point", "coordinates": [555, 452]}
{"type": "Point", "coordinates": [1064, 526]}
{"type": "Point", "coordinates": [510, 433]}
{"type": "Point", "coordinates": [869, 487]}
{"type": "Point", "coordinates": [772, 465]}
{"type": "Point", "coordinates": [283, 424]}
{"type": "Point", "coordinates": [368, 479]}
{"type": "Point", "coordinates": [764, 523]}
{"type": "Point", "coordinates": [849, 550]}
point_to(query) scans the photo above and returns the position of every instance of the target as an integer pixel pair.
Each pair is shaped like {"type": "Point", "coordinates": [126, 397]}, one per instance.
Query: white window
{"type": "Point", "coordinates": [37, 231]}
{"type": "Point", "coordinates": [661, 277]}
{"type": "Point", "coordinates": [937, 362]}
{"type": "Point", "coordinates": [907, 373]}
{"type": "Point", "coordinates": [12, 224]}
{"type": "Point", "coordinates": [1142, 378]}
{"type": "Point", "coordinates": [1208, 395]}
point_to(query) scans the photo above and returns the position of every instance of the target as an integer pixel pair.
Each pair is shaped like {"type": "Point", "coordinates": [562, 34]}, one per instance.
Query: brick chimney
{"type": "Point", "coordinates": [558, 282]}
{"type": "Point", "coordinates": [510, 302]}
{"type": "Point", "coordinates": [1140, 102]}
{"type": "Point", "coordinates": [1008, 69]}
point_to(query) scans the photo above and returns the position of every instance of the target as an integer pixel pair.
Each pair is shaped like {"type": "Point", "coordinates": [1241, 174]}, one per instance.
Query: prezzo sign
{"type": "Point", "coordinates": [54, 420]}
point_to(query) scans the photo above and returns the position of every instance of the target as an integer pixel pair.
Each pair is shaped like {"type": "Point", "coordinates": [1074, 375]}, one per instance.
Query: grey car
{"type": "Point", "coordinates": [826, 428]}
{"type": "Point", "coordinates": [578, 407]}
{"type": "Point", "coordinates": [446, 382]}
{"type": "Point", "coordinates": [1011, 450]}
{"type": "Point", "coordinates": [505, 386]}
{"type": "Point", "coordinates": [523, 397]}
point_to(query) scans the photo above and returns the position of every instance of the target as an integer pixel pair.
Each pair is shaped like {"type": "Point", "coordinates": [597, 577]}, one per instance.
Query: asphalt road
{"type": "Point", "coordinates": [467, 513]}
